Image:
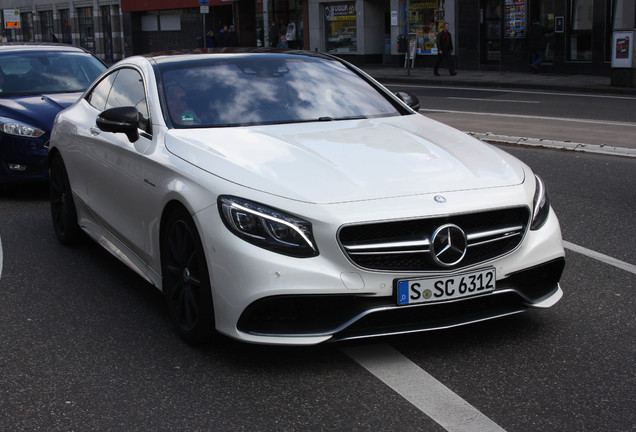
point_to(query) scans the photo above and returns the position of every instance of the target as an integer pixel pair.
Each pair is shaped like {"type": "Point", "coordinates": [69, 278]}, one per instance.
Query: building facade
{"type": "Point", "coordinates": [487, 34]}
{"type": "Point", "coordinates": [95, 25]}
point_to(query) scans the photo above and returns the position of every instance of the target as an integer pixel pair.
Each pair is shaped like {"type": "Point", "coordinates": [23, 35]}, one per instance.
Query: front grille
{"type": "Point", "coordinates": [406, 245]}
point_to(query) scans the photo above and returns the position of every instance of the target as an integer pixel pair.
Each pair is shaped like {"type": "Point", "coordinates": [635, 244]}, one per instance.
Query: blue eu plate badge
{"type": "Point", "coordinates": [403, 292]}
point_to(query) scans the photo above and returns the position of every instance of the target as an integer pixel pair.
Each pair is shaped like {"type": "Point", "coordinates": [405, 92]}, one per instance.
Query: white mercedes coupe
{"type": "Point", "coordinates": [288, 198]}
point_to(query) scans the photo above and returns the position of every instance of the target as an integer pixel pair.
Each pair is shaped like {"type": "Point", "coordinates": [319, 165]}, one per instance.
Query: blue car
{"type": "Point", "coordinates": [36, 82]}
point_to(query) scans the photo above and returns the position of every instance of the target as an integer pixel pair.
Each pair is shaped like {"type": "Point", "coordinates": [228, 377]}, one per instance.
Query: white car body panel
{"type": "Point", "coordinates": [351, 158]}
{"type": "Point", "coordinates": [328, 173]}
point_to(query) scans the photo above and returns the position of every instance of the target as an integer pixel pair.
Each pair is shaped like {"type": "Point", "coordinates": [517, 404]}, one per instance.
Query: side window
{"type": "Point", "coordinates": [99, 95]}
{"type": "Point", "coordinates": [128, 90]}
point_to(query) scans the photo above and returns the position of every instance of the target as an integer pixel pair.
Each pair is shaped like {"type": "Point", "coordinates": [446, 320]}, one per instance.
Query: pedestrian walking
{"type": "Point", "coordinates": [537, 42]}
{"type": "Point", "coordinates": [444, 43]}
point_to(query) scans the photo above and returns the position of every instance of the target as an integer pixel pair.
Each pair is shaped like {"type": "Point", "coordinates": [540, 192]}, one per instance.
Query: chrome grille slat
{"type": "Point", "coordinates": [405, 245]}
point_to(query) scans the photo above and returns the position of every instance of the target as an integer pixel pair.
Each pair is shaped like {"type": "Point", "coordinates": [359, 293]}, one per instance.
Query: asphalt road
{"type": "Point", "coordinates": [604, 120]}
{"type": "Point", "coordinates": [85, 344]}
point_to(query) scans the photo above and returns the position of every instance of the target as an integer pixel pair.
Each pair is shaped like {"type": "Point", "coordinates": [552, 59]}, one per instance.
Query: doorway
{"type": "Point", "coordinates": [489, 33]}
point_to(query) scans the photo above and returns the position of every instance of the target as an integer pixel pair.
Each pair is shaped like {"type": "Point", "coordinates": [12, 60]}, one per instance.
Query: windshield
{"type": "Point", "coordinates": [27, 73]}
{"type": "Point", "coordinates": [266, 89]}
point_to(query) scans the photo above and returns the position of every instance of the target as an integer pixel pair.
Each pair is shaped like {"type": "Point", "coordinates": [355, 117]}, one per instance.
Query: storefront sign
{"type": "Point", "coordinates": [340, 12]}
{"type": "Point", "coordinates": [515, 19]}
{"type": "Point", "coordinates": [11, 19]}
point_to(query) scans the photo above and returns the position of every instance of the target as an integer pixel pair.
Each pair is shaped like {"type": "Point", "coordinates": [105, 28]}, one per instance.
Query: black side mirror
{"type": "Point", "coordinates": [124, 120]}
{"type": "Point", "coordinates": [410, 99]}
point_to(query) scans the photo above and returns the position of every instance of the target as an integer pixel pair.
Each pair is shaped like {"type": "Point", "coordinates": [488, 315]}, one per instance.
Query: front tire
{"type": "Point", "coordinates": [186, 281]}
{"type": "Point", "coordinates": [63, 210]}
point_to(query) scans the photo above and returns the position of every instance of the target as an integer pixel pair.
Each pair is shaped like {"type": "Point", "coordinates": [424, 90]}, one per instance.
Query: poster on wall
{"type": "Point", "coordinates": [515, 19]}
{"type": "Point", "coordinates": [622, 49]}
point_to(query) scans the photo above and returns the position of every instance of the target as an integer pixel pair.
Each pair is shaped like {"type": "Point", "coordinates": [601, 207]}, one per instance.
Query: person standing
{"type": "Point", "coordinates": [274, 36]}
{"type": "Point", "coordinates": [537, 42]}
{"type": "Point", "coordinates": [444, 43]}
{"type": "Point", "coordinates": [290, 35]}
{"type": "Point", "coordinates": [210, 40]}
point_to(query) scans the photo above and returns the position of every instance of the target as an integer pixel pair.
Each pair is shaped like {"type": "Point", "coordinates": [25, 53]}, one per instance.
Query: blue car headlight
{"type": "Point", "coordinates": [268, 228]}
{"type": "Point", "coordinates": [540, 205]}
{"type": "Point", "coordinates": [18, 128]}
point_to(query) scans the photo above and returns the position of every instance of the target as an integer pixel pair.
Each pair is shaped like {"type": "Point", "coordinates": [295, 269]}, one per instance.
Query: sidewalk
{"type": "Point", "coordinates": [495, 79]}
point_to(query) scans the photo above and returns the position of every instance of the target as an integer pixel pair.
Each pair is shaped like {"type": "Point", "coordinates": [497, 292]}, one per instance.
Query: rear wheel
{"type": "Point", "coordinates": [186, 280]}
{"type": "Point", "coordinates": [63, 210]}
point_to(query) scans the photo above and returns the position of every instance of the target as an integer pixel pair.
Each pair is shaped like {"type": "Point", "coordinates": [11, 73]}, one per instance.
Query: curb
{"type": "Point", "coordinates": [560, 145]}
{"type": "Point", "coordinates": [458, 82]}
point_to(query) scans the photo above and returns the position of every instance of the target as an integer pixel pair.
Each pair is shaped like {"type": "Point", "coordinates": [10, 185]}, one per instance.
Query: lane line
{"type": "Point", "coordinates": [561, 119]}
{"type": "Point", "coordinates": [492, 100]}
{"type": "Point", "coordinates": [421, 389]}
{"type": "Point", "coordinates": [600, 257]}
{"type": "Point", "coordinates": [504, 90]}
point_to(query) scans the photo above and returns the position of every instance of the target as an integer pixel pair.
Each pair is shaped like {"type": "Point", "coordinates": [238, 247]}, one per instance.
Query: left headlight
{"type": "Point", "coordinates": [540, 205]}
{"type": "Point", "coordinates": [268, 228]}
{"type": "Point", "coordinates": [14, 127]}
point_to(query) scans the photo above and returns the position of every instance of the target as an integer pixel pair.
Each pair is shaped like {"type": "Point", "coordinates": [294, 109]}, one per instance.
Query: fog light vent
{"type": "Point", "coordinates": [17, 167]}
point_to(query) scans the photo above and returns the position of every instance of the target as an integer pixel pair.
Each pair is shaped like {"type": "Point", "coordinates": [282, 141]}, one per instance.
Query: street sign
{"type": "Point", "coordinates": [11, 18]}
{"type": "Point", "coordinates": [204, 3]}
{"type": "Point", "coordinates": [205, 9]}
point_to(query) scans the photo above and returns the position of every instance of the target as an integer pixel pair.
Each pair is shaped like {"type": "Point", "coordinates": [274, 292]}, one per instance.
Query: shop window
{"type": "Point", "coordinates": [580, 30]}
{"type": "Point", "coordinates": [86, 28]}
{"type": "Point", "coordinates": [46, 26]}
{"type": "Point", "coordinates": [425, 19]}
{"type": "Point", "coordinates": [340, 28]}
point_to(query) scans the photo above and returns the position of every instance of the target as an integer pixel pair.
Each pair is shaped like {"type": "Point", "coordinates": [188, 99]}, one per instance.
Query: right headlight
{"type": "Point", "coordinates": [268, 228]}
{"type": "Point", "coordinates": [540, 205]}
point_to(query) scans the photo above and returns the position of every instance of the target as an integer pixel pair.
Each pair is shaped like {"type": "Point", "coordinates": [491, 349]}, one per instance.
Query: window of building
{"type": "Point", "coordinates": [26, 19]}
{"type": "Point", "coordinates": [425, 20]}
{"type": "Point", "coordinates": [86, 28]}
{"type": "Point", "coordinates": [341, 28]}
{"type": "Point", "coordinates": [46, 26]}
{"type": "Point", "coordinates": [107, 31]}
{"type": "Point", "coordinates": [272, 21]}
{"type": "Point", "coordinates": [579, 40]}
{"type": "Point", "coordinates": [65, 26]}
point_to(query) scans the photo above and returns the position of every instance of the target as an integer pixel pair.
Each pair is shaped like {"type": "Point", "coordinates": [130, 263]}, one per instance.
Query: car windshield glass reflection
{"type": "Point", "coordinates": [268, 89]}
{"type": "Point", "coordinates": [42, 72]}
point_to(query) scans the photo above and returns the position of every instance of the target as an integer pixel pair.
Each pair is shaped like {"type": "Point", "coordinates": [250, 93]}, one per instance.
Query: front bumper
{"type": "Point", "coordinates": [23, 159]}
{"type": "Point", "coordinates": [342, 317]}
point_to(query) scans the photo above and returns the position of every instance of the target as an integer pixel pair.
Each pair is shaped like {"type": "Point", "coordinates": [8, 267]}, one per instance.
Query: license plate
{"type": "Point", "coordinates": [412, 291]}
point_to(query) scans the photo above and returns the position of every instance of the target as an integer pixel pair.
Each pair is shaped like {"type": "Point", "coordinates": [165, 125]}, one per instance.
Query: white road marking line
{"type": "Point", "coordinates": [561, 119]}
{"type": "Point", "coordinates": [421, 389]}
{"type": "Point", "coordinates": [492, 100]}
{"type": "Point", "coordinates": [600, 257]}
{"type": "Point", "coordinates": [505, 90]}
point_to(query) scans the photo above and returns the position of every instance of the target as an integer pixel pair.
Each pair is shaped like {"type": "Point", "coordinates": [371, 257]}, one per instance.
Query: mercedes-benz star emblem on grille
{"type": "Point", "coordinates": [449, 245]}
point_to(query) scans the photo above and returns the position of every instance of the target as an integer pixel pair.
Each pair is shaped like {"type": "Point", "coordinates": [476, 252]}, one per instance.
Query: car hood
{"type": "Point", "coordinates": [37, 110]}
{"type": "Point", "coordinates": [343, 161]}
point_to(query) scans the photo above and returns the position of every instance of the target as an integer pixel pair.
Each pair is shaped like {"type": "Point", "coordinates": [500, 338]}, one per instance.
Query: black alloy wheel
{"type": "Point", "coordinates": [63, 210]}
{"type": "Point", "coordinates": [186, 280]}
